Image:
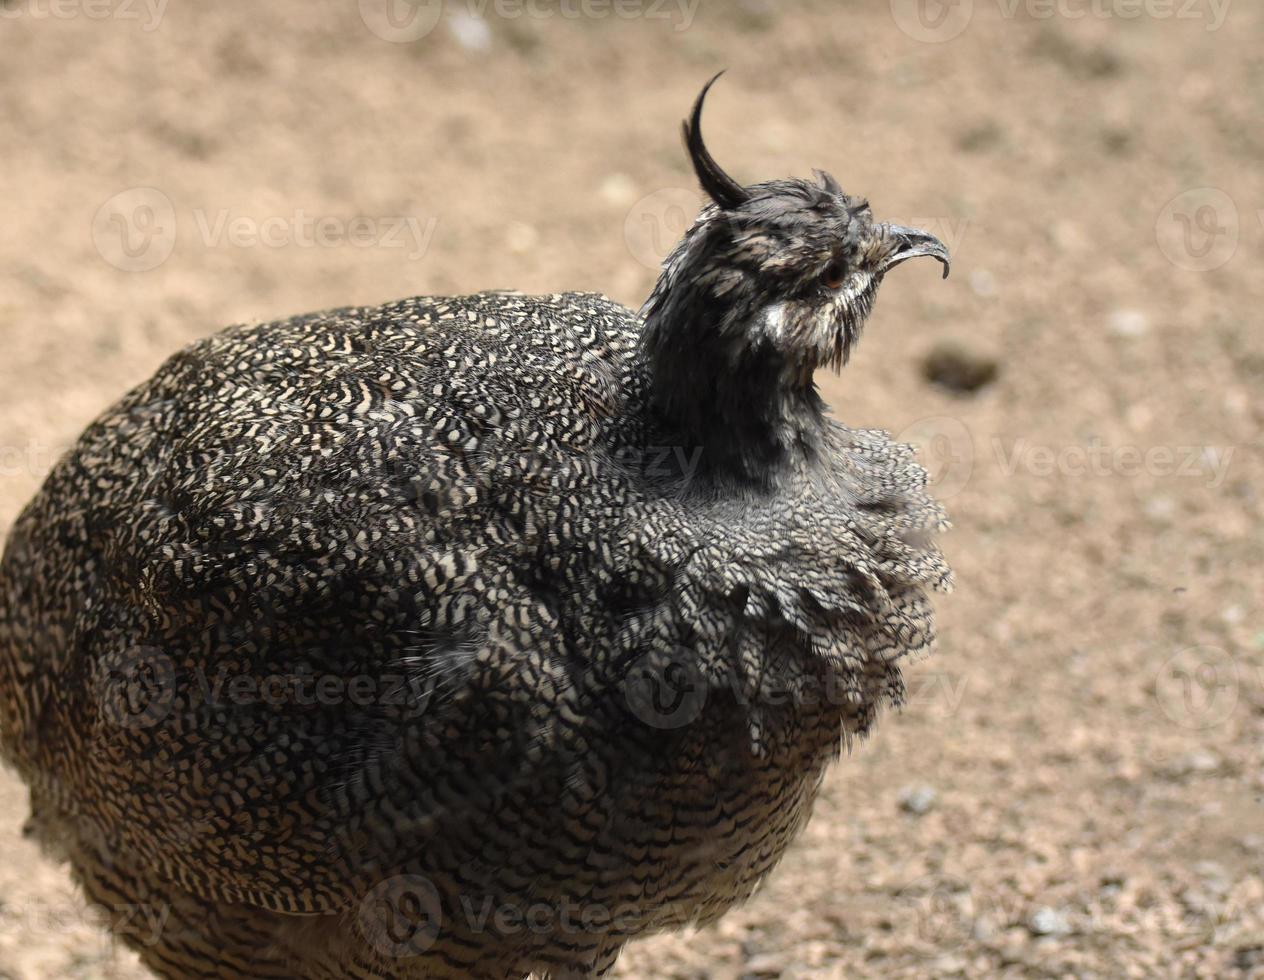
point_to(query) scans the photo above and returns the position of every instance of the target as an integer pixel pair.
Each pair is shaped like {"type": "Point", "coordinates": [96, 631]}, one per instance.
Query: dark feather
{"type": "Point", "coordinates": [720, 187]}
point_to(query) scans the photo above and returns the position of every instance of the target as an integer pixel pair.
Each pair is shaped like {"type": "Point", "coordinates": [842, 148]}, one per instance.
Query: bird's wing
{"type": "Point", "coordinates": [295, 545]}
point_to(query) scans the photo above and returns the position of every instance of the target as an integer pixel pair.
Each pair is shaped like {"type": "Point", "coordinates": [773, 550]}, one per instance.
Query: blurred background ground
{"type": "Point", "coordinates": [1077, 784]}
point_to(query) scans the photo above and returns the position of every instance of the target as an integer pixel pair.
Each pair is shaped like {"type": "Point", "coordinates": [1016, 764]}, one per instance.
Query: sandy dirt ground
{"type": "Point", "coordinates": [1076, 787]}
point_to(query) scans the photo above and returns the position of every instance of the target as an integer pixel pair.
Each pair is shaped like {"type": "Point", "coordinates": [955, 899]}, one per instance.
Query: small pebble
{"type": "Point", "coordinates": [948, 965]}
{"type": "Point", "coordinates": [1214, 877]}
{"type": "Point", "coordinates": [917, 800]}
{"type": "Point", "coordinates": [470, 30]}
{"type": "Point", "coordinates": [983, 283]}
{"type": "Point", "coordinates": [1049, 922]}
{"type": "Point", "coordinates": [763, 965]}
{"type": "Point", "coordinates": [1198, 761]}
{"type": "Point", "coordinates": [618, 190]}
{"type": "Point", "coordinates": [1129, 323]}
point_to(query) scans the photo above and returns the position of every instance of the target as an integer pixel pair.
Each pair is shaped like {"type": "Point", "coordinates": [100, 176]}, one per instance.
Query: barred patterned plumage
{"type": "Point", "coordinates": [472, 637]}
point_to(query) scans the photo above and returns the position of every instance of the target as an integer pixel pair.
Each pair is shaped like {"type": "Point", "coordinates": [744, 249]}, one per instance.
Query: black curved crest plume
{"type": "Point", "coordinates": [720, 187]}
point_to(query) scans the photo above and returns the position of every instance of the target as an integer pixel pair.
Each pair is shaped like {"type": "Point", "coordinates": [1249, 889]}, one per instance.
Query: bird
{"type": "Point", "coordinates": [474, 636]}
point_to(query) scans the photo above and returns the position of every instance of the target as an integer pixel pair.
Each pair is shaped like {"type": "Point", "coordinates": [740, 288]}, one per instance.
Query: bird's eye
{"type": "Point", "coordinates": [834, 275]}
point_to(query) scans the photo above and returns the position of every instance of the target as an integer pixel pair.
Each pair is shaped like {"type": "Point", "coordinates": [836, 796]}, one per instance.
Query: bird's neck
{"type": "Point", "coordinates": [746, 414]}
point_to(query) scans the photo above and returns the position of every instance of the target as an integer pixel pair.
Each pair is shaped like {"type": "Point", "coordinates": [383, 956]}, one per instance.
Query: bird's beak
{"type": "Point", "coordinates": [909, 243]}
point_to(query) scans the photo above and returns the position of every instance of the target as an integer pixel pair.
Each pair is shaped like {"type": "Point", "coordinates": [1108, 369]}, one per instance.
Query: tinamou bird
{"type": "Point", "coordinates": [473, 637]}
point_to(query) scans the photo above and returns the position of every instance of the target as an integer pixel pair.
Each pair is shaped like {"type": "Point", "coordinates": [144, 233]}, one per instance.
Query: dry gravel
{"type": "Point", "coordinates": [1075, 788]}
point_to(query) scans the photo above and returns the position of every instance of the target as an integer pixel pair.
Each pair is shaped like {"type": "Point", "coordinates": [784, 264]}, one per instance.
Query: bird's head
{"type": "Point", "coordinates": [772, 281]}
